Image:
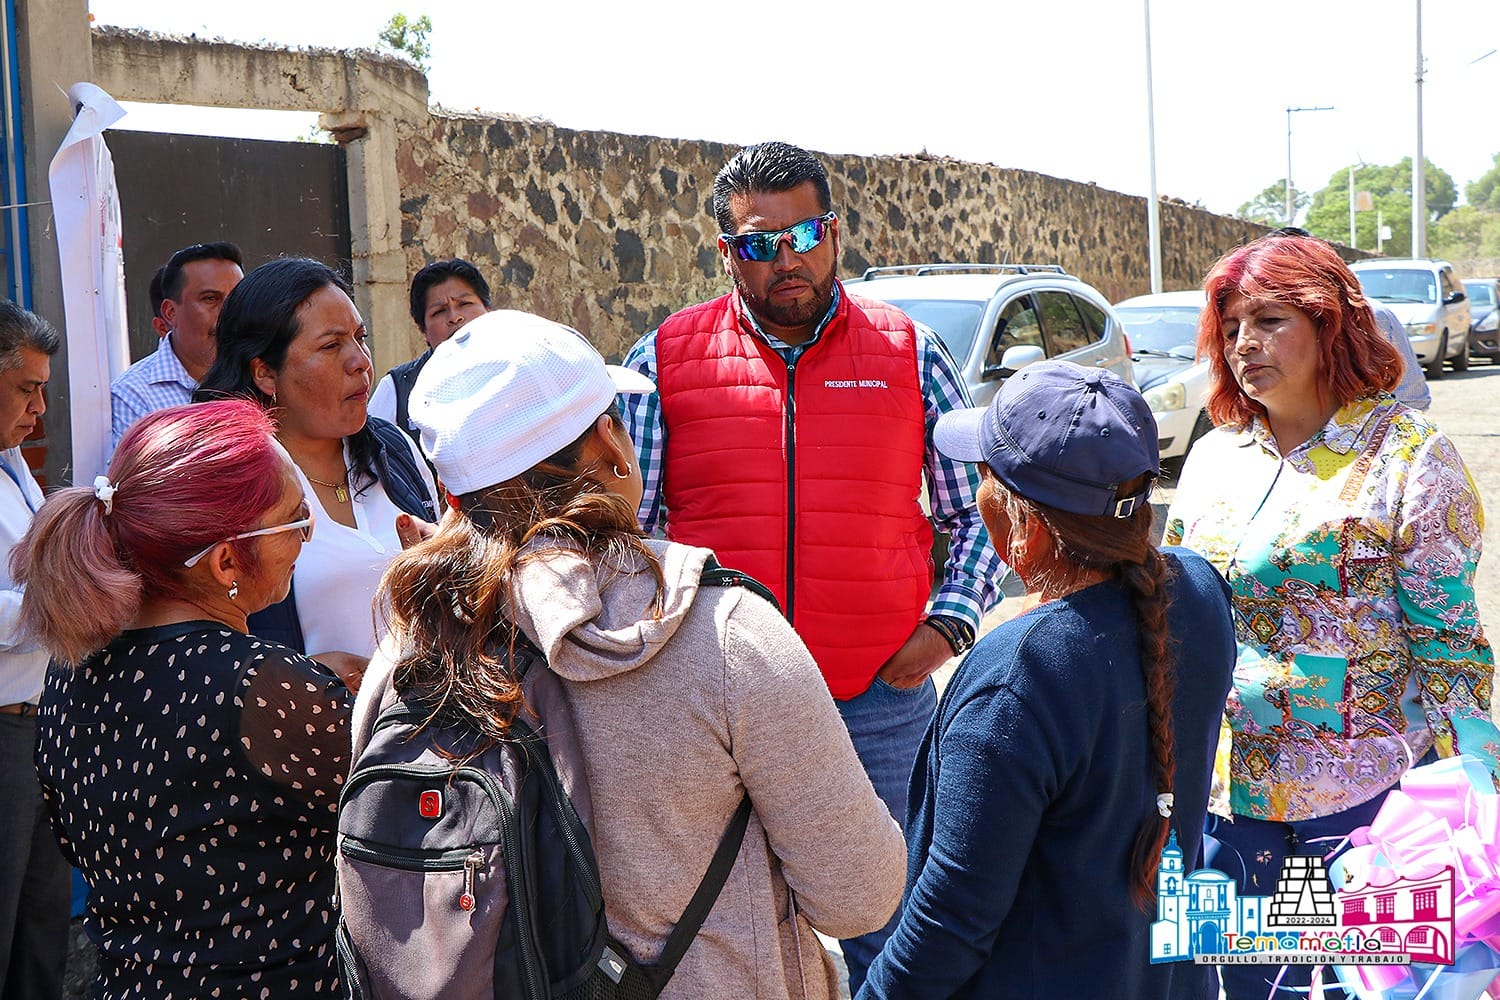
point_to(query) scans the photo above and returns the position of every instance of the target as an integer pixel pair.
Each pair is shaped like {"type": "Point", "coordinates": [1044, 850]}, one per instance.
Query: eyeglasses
{"type": "Point", "coordinates": [762, 247]}
{"type": "Point", "coordinates": [303, 524]}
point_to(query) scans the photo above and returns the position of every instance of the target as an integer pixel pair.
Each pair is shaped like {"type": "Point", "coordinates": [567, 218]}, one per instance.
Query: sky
{"type": "Point", "coordinates": [1056, 87]}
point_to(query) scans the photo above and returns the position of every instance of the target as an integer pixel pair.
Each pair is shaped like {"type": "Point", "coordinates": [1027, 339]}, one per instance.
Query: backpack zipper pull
{"type": "Point", "coordinates": [471, 865]}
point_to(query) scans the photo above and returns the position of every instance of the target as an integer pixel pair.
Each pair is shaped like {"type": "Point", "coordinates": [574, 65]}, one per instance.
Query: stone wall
{"type": "Point", "coordinates": [612, 232]}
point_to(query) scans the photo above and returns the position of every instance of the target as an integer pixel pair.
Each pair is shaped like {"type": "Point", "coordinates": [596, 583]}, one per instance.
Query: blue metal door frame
{"type": "Point", "coordinates": [15, 236]}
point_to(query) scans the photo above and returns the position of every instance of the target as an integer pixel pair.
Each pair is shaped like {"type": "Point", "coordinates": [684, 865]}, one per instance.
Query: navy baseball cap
{"type": "Point", "coordinates": [1061, 435]}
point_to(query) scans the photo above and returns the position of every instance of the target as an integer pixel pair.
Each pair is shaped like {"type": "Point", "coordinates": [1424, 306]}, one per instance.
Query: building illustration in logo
{"type": "Point", "coordinates": [1195, 911]}
{"type": "Point", "coordinates": [1201, 913]}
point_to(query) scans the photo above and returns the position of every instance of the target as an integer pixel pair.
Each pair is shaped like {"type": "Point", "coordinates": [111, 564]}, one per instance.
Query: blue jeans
{"type": "Point", "coordinates": [1250, 851]}
{"type": "Point", "coordinates": [886, 725]}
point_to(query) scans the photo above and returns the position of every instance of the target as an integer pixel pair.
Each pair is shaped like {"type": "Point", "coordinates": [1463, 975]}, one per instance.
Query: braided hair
{"type": "Point", "coordinates": [1085, 544]}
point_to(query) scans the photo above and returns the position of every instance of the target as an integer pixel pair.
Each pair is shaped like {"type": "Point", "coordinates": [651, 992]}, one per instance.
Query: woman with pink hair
{"type": "Point", "coordinates": [191, 771]}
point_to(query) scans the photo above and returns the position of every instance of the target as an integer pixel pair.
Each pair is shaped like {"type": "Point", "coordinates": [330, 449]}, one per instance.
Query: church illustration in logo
{"type": "Point", "coordinates": [1201, 913]}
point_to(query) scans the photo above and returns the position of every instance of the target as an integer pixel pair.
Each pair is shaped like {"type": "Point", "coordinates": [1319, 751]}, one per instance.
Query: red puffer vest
{"type": "Point", "coordinates": [806, 479]}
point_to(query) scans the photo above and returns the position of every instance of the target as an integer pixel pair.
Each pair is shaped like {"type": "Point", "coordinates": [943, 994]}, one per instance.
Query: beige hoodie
{"type": "Point", "coordinates": [677, 718]}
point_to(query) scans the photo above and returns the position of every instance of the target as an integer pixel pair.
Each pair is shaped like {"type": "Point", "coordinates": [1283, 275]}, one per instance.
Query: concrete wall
{"type": "Point", "coordinates": [612, 232]}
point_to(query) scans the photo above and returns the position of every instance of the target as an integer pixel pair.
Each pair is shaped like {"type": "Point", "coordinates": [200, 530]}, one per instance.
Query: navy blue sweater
{"type": "Point", "coordinates": [1030, 786]}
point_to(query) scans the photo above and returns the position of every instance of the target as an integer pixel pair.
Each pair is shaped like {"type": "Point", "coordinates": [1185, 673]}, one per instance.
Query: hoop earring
{"type": "Point", "coordinates": [618, 474]}
{"type": "Point", "coordinates": [234, 589]}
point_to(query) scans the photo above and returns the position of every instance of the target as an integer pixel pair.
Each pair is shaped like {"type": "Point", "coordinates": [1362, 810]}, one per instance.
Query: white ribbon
{"type": "Point", "coordinates": [1164, 804]}
{"type": "Point", "coordinates": [105, 493]}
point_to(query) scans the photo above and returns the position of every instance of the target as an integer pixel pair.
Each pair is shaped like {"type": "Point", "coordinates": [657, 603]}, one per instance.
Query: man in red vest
{"type": "Point", "coordinates": [790, 433]}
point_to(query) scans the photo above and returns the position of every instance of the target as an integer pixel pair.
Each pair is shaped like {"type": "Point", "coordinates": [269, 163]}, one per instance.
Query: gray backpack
{"type": "Point", "coordinates": [470, 876]}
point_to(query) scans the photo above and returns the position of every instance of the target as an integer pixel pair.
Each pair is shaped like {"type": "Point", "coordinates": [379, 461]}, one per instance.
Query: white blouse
{"type": "Point", "coordinates": [340, 567]}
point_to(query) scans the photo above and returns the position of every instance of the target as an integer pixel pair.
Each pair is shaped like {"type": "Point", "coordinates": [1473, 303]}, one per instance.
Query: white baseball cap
{"type": "Point", "coordinates": [506, 391]}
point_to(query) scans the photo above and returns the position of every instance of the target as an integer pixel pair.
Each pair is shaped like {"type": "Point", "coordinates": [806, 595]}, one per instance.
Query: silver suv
{"type": "Point", "coordinates": [1427, 298]}
{"type": "Point", "coordinates": [997, 318]}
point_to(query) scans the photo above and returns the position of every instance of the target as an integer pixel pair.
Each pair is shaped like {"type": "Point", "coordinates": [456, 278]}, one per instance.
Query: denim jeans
{"type": "Point", "coordinates": [886, 725]}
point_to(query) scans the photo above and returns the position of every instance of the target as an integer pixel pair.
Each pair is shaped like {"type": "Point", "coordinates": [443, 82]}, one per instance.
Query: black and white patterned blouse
{"type": "Point", "coordinates": [192, 774]}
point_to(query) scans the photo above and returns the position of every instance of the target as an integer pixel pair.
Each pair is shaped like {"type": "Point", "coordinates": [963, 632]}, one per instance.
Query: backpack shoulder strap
{"type": "Point", "coordinates": [703, 900]}
{"type": "Point", "coordinates": [715, 575]}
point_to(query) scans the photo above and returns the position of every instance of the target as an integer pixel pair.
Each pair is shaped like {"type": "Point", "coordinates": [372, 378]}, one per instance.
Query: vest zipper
{"type": "Point", "coordinates": [791, 484]}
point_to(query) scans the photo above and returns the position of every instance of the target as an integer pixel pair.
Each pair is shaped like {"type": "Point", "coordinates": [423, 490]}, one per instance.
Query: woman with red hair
{"type": "Point", "coordinates": [1349, 531]}
{"type": "Point", "coordinates": [191, 771]}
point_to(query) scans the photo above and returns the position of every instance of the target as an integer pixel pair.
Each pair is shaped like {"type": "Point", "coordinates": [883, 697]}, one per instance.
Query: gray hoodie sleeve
{"type": "Point", "coordinates": [839, 849]}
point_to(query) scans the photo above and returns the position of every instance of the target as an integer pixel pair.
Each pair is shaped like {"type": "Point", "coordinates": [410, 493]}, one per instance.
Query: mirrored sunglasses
{"type": "Point", "coordinates": [303, 524]}
{"type": "Point", "coordinates": [762, 247]}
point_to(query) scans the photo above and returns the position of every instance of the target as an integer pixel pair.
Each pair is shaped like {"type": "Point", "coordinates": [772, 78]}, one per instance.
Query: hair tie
{"type": "Point", "coordinates": [1164, 805]}
{"type": "Point", "coordinates": [105, 493]}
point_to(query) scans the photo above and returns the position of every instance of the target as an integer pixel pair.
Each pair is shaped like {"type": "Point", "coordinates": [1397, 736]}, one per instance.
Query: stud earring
{"type": "Point", "coordinates": [234, 589]}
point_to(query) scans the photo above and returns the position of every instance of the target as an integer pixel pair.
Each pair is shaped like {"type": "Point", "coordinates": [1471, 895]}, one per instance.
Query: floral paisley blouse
{"type": "Point", "coordinates": [1351, 563]}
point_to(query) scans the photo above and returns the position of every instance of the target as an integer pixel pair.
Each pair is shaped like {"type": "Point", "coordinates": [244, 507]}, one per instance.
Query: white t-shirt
{"type": "Point", "coordinates": [383, 400]}
{"type": "Point", "coordinates": [340, 568]}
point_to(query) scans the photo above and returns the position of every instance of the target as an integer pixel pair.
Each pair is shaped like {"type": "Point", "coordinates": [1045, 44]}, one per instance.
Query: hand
{"type": "Point", "coordinates": [347, 667]}
{"type": "Point", "coordinates": [412, 530]}
{"type": "Point", "coordinates": [917, 659]}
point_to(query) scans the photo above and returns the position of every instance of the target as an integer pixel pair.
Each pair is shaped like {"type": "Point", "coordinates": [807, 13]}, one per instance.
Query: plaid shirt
{"type": "Point", "coordinates": [972, 573]}
{"type": "Point", "coordinates": [153, 383]}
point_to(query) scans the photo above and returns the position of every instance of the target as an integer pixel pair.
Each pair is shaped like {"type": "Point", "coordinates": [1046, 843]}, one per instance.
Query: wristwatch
{"type": "Point", "coordinates": [959, 633]}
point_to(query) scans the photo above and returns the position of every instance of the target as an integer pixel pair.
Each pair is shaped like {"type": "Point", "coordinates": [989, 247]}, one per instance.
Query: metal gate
{"type": "Point", "coordinates": [271, 198]}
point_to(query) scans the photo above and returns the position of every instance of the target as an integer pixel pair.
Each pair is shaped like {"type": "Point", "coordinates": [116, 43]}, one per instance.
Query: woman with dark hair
{"type": "Point", "coordinates": [445, 295]}
{"type": "Point", "coordinates": [686, 698]}
{"type": "Point", "coordinates": [1075, 738]}
{"type": "Point", "coordinates": [192, 771]}
{"type": "Point", "coordinates": [1349, 531]}
{"type": "Point", "coordinates": [291, 340]}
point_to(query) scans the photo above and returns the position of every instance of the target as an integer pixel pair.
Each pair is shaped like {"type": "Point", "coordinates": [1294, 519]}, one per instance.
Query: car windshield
{"type": "Point", "coordinates": [955, 320]}
{"type": "Point", "coordinates": [1160, 328]}
{"type": "Point", "coordinates": [1398, 284]}
{"type": "Point", "coordinates": [1481, 293]}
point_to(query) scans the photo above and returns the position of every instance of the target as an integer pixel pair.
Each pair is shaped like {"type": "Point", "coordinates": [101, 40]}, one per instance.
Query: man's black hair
{"type": "Point", "coordinates": [1290, 231]}
{"type": "Point", "coordinates": [172, 278]}
{"type": "Point", "coordinates": [22, 328]}
{"type": "Point", "coordinates": [154, 291]}
{"type": "Point", "coordinates": [438, 272]}
{"type": "Point", "coordinates": [767, 167]}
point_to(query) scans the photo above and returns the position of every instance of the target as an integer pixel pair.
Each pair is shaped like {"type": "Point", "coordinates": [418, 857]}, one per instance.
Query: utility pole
{"type": "Point", "coordinates": [1153, 205]}
{"type": "Point", "coordinates": [1419, 164]}
{"type": "Point", "coordinates": [1291, 209]}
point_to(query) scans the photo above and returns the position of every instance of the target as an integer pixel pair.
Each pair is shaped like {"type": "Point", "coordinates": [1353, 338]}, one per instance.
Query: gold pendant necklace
{"type": "Point", "coordinates": [340, 490]}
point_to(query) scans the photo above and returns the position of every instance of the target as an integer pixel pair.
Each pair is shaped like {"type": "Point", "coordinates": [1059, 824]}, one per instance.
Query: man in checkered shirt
{"type": "Point", "coordinates": [194, 284]}
{"type": "Point", "coordinates": [791, 433]}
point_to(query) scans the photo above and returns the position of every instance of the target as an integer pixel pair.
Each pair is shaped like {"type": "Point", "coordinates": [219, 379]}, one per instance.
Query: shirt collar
{"type": "Point", "coordinates": [166, 366]}
{"type": "Point", "coordinates": [1345, 430]}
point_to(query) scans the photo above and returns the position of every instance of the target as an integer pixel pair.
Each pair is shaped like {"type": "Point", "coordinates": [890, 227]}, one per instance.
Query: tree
{"type": "Point", "coordinates": [408, 38]}
{"type": "Point", "coordinates": [1390, 190]}
{"type": "Point", "coordinates": [1466, 233]}
{"type": "Point", "coordinates": [1484, 193]}
{"type": "Point", "coordinates": [1269, 207]}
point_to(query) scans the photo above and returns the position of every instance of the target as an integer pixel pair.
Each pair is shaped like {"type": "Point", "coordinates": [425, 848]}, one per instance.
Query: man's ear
{"type": "Point", "coordinates": [725, 259]}
{"type": "Point", "coordinates": [169, 313]}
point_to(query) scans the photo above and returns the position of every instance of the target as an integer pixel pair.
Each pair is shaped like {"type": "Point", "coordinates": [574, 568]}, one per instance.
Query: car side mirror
{"type": "Point", "coordinates": [1013, 360]}
{"type": "Point", "coordinates": [1453, 297]}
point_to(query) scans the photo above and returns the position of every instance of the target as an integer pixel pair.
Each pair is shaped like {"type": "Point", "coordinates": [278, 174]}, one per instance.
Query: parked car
{"type": "Point", "coordinates": [998, 318]}
{"type": "Point", "coordinates": [1163, 330]}
{"type": "Point", "coordinates": [1484, 315]}
{"type": "Point", "coordinates": [1427, 298]}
